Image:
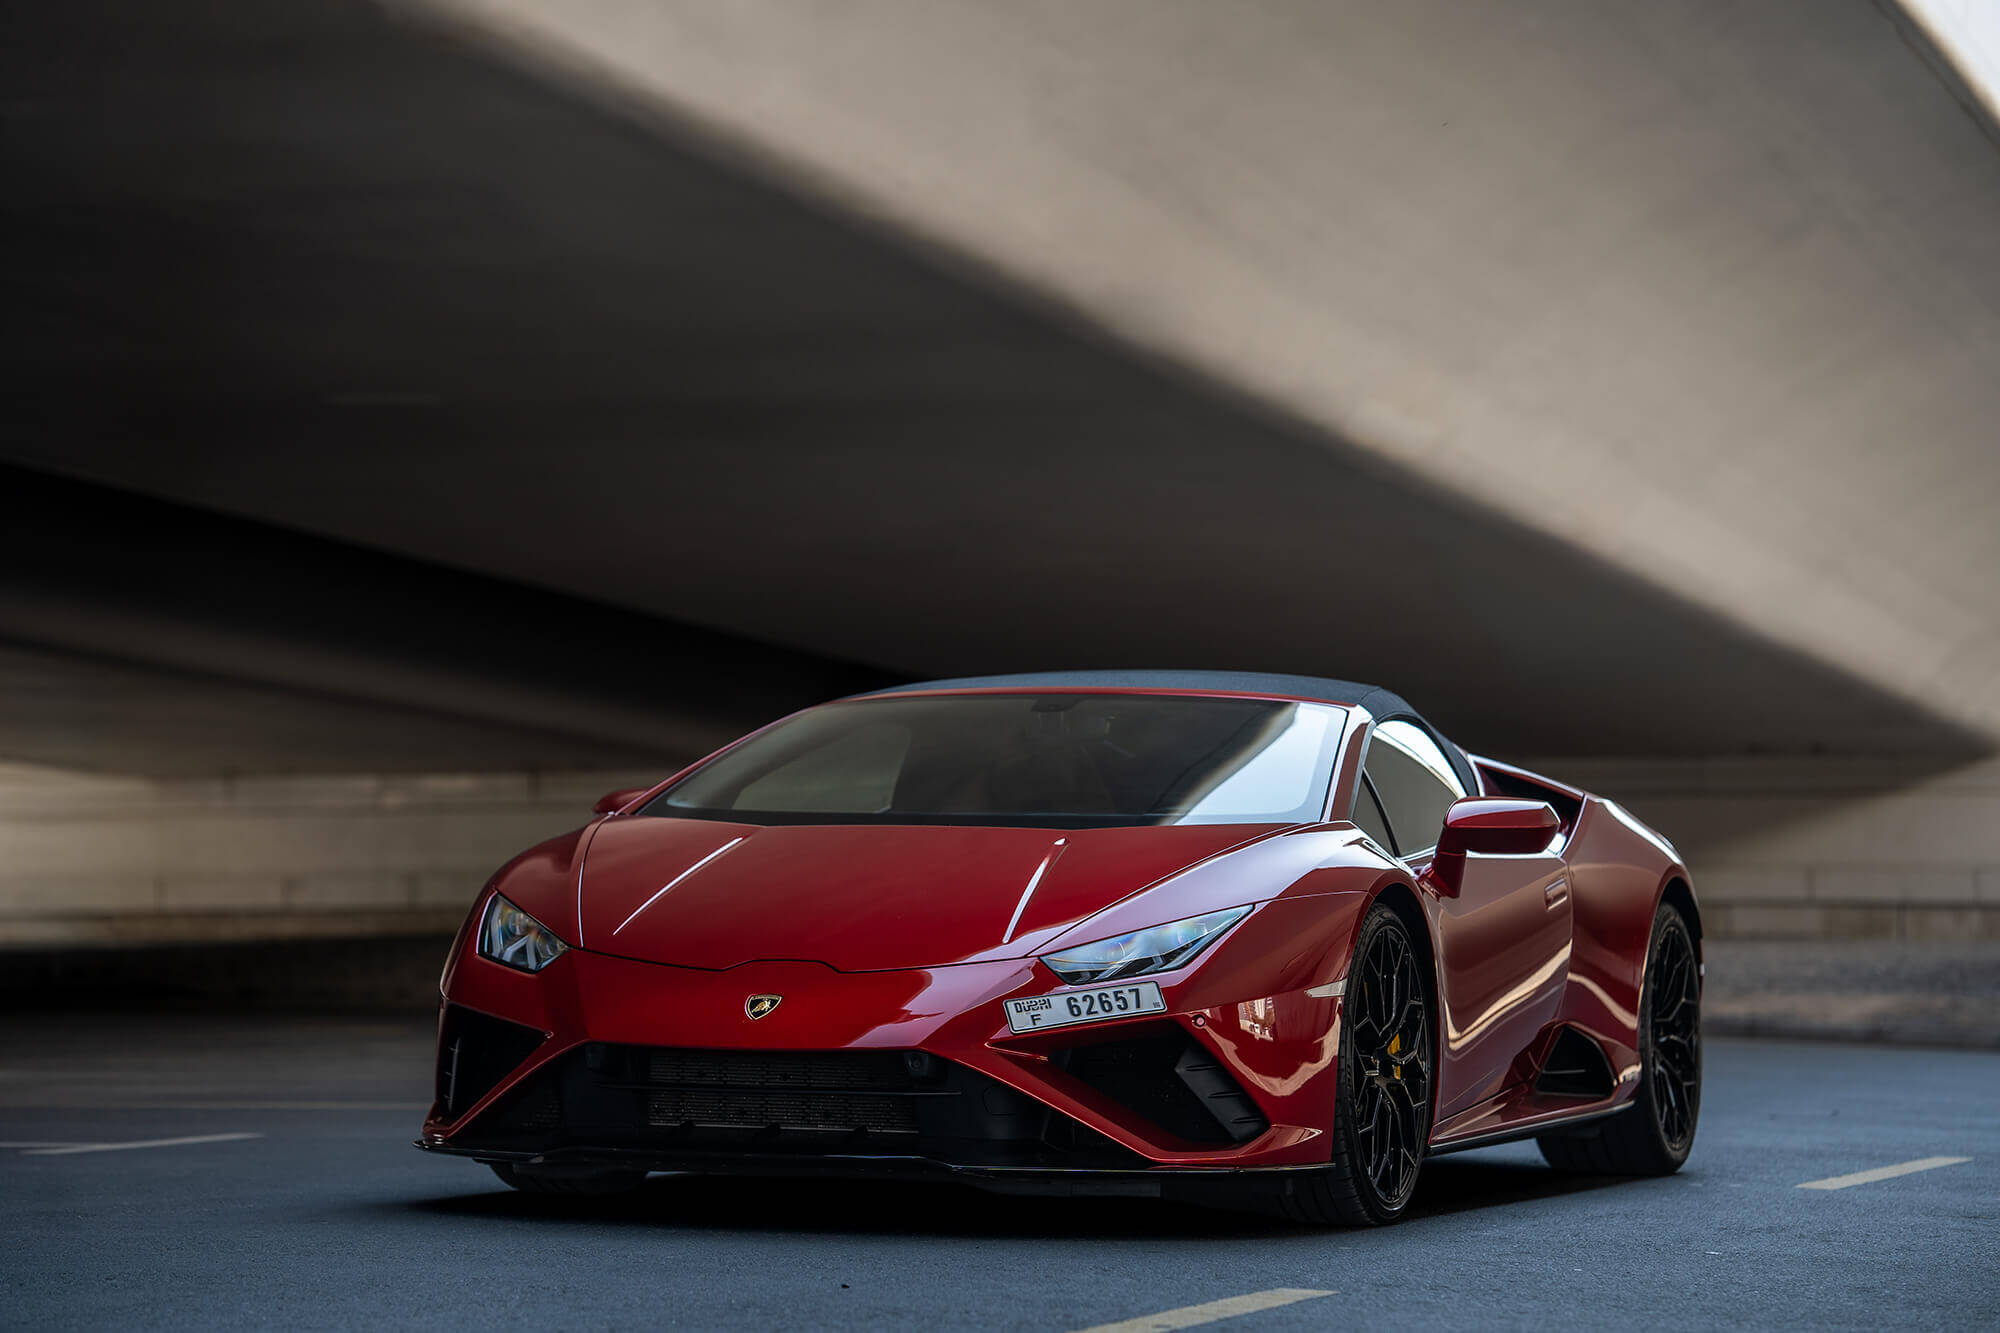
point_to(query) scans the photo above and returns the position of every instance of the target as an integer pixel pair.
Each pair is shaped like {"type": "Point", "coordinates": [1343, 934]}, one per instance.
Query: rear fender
{"type": "Point", "coordinates": [1620, 871]}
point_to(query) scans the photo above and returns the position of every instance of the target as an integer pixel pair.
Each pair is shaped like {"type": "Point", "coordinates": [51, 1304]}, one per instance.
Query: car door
{"type": "Point", "coordinates": [1502, 922]}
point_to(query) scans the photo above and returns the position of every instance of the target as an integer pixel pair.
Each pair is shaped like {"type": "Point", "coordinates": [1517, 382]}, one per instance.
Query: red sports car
{"type": "Point", "coordinates": [1263, 940]}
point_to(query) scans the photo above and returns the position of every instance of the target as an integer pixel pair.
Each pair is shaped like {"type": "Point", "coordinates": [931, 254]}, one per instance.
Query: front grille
{"type": "Point", "coordinates": [815, 1091]}
{"type": "Point", "coordinates": [779, 1069]}
{"type": "Point", "coordinates": [814, 1111]}
{"type": "Point", "coordinates": [677, 1102]}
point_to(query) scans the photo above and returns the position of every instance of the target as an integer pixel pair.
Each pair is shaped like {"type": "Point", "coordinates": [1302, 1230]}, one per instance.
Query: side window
{"type": "Point", "coordinates": [1414, 781]}
{"type": "Point", "coordinates": [1368, 818]}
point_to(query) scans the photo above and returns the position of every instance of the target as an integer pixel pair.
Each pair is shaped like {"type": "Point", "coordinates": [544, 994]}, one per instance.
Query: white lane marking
{"type": "Point", "coordinates": [677, 879]}
{"type": "Point", "coordinates": [69, 1148]}
{"type": "Point", "coordinates": [1188, 1316]}
{"type": "Point", "coordinates": [1882, 1173]}
{"type": "Point", "coordinates": [34, 1145]}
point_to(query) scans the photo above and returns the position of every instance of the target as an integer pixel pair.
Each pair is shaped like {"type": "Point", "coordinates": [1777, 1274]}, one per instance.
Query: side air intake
{"type": "Point", "coordinates": [1576, 1067]}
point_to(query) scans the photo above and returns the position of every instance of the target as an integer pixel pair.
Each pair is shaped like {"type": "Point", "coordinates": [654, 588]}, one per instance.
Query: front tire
{"type": "Point", "coordinates": [1382, 1120]}
{"type": "Point", "coordinates": [1654, 1136]}
{"type": "Point", "coordinates": [570, 1184]}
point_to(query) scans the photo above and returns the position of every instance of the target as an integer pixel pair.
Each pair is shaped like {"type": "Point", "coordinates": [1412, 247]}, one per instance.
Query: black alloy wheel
{"type": "Point", "coordinates": [1673, 1063]}
{"type": "Point", "coordinates": [1652, 1135]}
{"type": "Point", "coordinates": [1390, 1101]}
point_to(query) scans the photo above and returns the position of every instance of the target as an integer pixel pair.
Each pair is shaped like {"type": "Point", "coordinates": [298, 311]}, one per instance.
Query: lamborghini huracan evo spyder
{"type": "Point", "coordinates": [1263, 940]}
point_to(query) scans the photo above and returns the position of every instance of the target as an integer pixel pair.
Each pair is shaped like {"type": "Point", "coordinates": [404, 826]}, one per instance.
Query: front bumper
{"type": "Point", "coordinates": [604, 1061]}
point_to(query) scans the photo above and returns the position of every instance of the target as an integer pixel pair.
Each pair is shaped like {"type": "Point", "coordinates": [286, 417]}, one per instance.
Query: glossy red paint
{"type": "Point", "coordinates": [1616, 871]}
{"type": "Point", "coordinates": [911, 938]}
{"type": "Point", "coordinates": [952, 1011]}
{"type": "Point", "coordinates": [1500, 924]}
{"type": "Point", "coordinates": [1497, 826]}
{"type": "Point", "coordinates": [862, 897]}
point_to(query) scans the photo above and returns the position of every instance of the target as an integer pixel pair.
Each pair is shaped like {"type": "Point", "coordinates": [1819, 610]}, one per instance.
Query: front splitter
{"type": "Point", "coordinates": [1208, 1184]}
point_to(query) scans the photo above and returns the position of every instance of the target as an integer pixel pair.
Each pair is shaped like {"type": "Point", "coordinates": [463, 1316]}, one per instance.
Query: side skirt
{"type": "Point", "coordinates": [1515, 1133]}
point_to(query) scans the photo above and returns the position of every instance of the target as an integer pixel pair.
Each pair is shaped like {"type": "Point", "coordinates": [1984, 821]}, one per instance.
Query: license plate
{"type": "Point", "coordinates": [1041, 1012]}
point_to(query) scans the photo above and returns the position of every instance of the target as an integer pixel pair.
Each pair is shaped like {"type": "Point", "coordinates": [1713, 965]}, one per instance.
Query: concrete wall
{"type": "Point", "coordinates": [1866, 848]}
{"type": "Point", "coordinates": [97, 860]}
{"type": "Point", "coordinates": [1778, 847]}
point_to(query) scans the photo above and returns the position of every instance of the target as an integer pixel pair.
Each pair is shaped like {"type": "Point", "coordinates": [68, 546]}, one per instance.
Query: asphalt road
{"type": "Point", "coordinates": [295, 1200]}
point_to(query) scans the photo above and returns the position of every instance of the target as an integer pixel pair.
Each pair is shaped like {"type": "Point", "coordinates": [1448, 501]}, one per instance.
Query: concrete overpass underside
{"type": "Point", "coordinates": [508, 389]}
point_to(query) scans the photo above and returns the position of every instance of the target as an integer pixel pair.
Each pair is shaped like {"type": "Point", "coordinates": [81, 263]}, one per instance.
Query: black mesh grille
{"type": "Point", "coordinates": [778, 1069]}
{"type": "Point", "coordinates": [677, 1103]}
{"type": "Point", "coordinates": [1172, 1081]}
{"type": "Point", "coordinates": [535, 1108]}
{"type": "Point", "coordinates": [822, 1112]}
{"type": "Point", "coordinates": [822, 1091]}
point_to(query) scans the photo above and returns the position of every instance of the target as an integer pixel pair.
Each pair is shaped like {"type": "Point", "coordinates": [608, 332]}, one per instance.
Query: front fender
{"type": "Point", "coordinates": [542, 882]}
{"type": "Point", "coordinates": [1316, 861]}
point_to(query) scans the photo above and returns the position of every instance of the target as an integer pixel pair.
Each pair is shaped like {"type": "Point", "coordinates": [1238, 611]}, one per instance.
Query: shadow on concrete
{"type": "Point", "coordinates": [500, 325]}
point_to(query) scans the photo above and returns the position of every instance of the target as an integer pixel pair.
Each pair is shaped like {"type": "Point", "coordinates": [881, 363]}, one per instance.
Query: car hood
{"type": "Point", "coordinates": [863, 897]}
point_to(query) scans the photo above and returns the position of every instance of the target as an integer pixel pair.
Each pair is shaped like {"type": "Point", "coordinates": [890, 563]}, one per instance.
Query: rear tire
{"type": "Point", "coordinates": [1653, 1137]}
{"type": "Point", "coordinates": [1382, 1121]}
{"type": "Point", "coordinates": [576, 1185]}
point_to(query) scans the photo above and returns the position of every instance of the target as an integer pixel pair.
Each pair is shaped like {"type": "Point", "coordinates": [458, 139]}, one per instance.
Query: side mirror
{"type": "Point", "coordinates": [1497, 826]}
{"type": "Point", "coordinates": [613, 801]}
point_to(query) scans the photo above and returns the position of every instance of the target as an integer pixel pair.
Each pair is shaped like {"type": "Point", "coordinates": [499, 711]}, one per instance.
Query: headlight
{"type": "Point", "coordinates": [1154, 949]}
{"type": "Point", "coordinates": [510, 936]}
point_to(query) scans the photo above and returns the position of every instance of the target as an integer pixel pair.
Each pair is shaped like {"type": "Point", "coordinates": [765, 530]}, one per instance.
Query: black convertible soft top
{"type": "Point", "coordinates": [1380, 703]}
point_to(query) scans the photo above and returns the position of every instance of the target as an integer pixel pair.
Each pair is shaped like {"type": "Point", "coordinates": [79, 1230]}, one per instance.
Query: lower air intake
{"type": "Point", "coordinates": [1168, 1078]}
{"type": "Point", "coordinates": [476, 1051]}
{"type": "Point", "coordinates": [702, 1106]}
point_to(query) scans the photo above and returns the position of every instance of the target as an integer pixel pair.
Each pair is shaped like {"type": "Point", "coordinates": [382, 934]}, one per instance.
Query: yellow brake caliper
{"type": "Point", "coordinates": [1395, 1045]}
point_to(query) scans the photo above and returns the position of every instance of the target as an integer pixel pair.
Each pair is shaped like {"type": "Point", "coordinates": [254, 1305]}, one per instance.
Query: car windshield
{"type": "Point", "coordinates": [1057, 760]}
